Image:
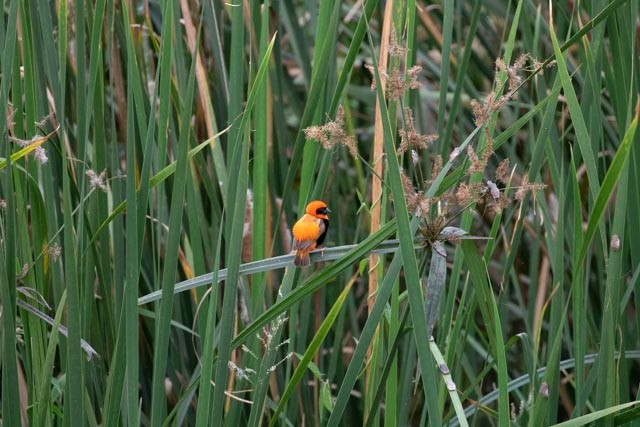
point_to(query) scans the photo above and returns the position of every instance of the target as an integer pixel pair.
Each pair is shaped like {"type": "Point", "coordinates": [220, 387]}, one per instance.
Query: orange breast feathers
{"type": "Point", "coordinates": [310, 232]}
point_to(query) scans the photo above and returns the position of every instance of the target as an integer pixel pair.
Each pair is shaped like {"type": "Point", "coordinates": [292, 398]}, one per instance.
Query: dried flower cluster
{"type": "Point", "coordinates": [495, 199]}
{"type": "Point", "coordinates": [396, 49]}
{"type": "Point", "coordinates": [396, 83]}
{"type": "Point", "coordinates": [49, 118]}
{"type": "Point", "coordinates": [492, 195]}
{"type": "Point", "coordinates": [333, 133]}
{"type": "Point", "coordinates": [527, 187]}
{"type": "Point", "coordinates": [502, 171]}
{"type": "Point", "coordinates": [268, 340]}
{"type": "Point", "coordinates": [11, 116]}
{"type": "Point", "coordinates": [40, 154]}
{"type": "Point", "coordinates": [467, 194]}
{"type": "Point", "coordinates": [23, 273]}
{"type": "Point", "coordinates": [55, 251]}
{"type": "Point", "coordinates": [410, 138]}
{"type": "Point", "coordinates": [479, 163]}
{"type": "Point", "coordinates": [416, 200]}
{"type": "Point", "coordinates": [97, 181]}
{"type": "Point", "coordinates": [494, 102]}
{"type": "Point", "coordinates": [241, 374]}
{"type": "Point", "coordinates": [436, 168]}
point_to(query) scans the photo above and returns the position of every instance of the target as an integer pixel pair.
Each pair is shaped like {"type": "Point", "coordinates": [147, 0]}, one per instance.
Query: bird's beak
{"type": "Point", "coordinates": [328, 210]}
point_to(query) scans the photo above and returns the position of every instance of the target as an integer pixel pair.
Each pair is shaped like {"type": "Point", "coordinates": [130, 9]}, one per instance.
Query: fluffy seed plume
{"type": "Point", "coordinates": [97, 181]}
{"type": "Point", "coordinates": [396, 83]}
{"type": "Point", "coordinates": [46, 119]}
{"type": "Point", "coordinates": [10, 120]}
{"type": "Point", "coordinates": [464, 194]}
{"type": "Point", "coordinates": [502, 171]}
{"type": "Point", "coordinates": [40, 154]}
{"type": "Point", "coordinates": [241, 374]}
{"type": "Point", "coordinates": [417, 202]}
{"type": "Point", "coordinates": [477, 164]}
{"type": "Point", "coordinates": [55, 251]}
{"type": "Point", "coordinates": [395, 48]}
{"type": "Point", "coordinates": [411, 195]}
{"type": "Point", "coordinates": [411, 138]}
{"type": "Point", "coordinates": [492, 103]}
{"type": "Point", "coordinates": [527, 187]}
{"type": "Point", "coordinates": [495, 199]}
{"type": "Point", "coordinates": [372, 71]}
{"type": "Point", "coordinates": [333, 133]}
{"type": "Point", "coordinates": [436, 168]}
{"type": "Point", "coordinates": [413, 73]}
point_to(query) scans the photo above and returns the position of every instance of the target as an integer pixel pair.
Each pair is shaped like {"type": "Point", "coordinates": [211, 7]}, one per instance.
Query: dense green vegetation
{"type": "Point", "coordinates": [481, 163]}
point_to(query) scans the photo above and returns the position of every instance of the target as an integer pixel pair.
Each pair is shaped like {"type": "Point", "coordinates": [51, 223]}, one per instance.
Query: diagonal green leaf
{"type": "Point", "coordinates": [608, 187]}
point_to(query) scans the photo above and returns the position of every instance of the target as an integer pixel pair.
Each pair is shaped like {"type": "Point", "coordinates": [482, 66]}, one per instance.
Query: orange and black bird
{"type": "Point", "coordinates": [310, 231]}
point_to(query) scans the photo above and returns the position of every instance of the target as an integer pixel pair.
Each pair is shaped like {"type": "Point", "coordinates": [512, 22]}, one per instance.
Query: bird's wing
{"type": "Point", "coordinates": [304, 245]}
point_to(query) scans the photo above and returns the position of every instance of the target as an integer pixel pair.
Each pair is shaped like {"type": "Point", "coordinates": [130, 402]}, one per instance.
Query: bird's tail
{"type": "Point", "coordinates": [302, 260]}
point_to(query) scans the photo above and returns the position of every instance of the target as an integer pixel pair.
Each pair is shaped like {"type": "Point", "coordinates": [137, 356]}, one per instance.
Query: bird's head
{"type": "Point", "coordinates": [318, 209]}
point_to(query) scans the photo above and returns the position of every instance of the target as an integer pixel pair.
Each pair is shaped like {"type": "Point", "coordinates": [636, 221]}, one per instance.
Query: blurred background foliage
{"type": "Point", "coordinates": [479, 158]}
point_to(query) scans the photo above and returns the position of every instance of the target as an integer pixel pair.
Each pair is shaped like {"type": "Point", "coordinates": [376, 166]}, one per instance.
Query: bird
{"type": "Point", "coordinates": [310, 231]}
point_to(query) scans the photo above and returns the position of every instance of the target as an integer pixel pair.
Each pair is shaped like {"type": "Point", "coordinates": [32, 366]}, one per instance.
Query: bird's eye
{"type": "Point", "coordinates": [321, 211]}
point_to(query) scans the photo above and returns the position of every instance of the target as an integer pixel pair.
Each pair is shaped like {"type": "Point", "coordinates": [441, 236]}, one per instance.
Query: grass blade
{"type": "Point", "coordinates": [158, 398]}
{"type": "Point", "coordinates": [608, 185]}
{"type": "Point", "coordinates": [317, 340]}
